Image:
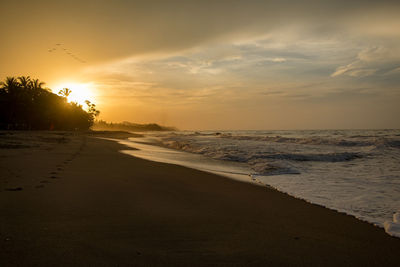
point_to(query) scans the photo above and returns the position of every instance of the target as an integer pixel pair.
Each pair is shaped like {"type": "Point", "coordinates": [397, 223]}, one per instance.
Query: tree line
{"type": "Point", "coordinates": [130, 126]}
{"type": "Point", "coordinates": [26, 105]}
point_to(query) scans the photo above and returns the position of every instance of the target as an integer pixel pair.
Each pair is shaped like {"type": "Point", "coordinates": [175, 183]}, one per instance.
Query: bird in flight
{"type": "Point", "coordinates": [66, 51]}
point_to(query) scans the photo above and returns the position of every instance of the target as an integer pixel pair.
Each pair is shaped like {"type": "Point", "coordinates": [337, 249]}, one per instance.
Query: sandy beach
{"type": "Point", "coordinates": [70, 199]}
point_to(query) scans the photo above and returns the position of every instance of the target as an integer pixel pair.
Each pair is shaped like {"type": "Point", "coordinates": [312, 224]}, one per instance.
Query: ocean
{"type": "Point", "coordinates": [356, 172]}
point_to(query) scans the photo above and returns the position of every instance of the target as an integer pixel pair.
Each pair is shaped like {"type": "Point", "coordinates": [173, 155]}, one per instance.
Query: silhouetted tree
{"type": "Point", "coordinates": [129, 126]}
{"type": "Point", "coordinates": [65, 92]}
{"type": "Point", "coordinates": [9, 85]}
{"type": "Point", "coordinates": [25, 81]}
{"type": "Point", "coordinates": [94, 113]}
{"type": "Point", "coordinates": [36, 84]}
{"type": "Point", "coordinates": [25, 104]}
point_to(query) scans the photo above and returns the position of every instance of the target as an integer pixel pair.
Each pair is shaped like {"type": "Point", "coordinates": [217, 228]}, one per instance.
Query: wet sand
{"type": "Point", "coordinates": [70, 199]}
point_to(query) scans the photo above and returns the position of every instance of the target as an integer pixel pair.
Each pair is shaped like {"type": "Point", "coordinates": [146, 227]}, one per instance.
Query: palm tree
{"type": "Point", "coordinates": [10, 85]}
{"type": "Point", "coordinates": [25, 82]}
{"type": "Point", "coordinates": [25, 104]}
{"type": "Point", "coordinates": [37, 84]}
{"type": "Point", "coordinates": [11, 101]}
{"type": "Point", "coordinates": [37, 87]}
{"type": "Point", "coordinates": [65, 92]}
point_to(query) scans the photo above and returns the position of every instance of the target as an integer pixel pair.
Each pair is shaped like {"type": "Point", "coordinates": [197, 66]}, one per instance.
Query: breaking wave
{"type": "Point", "coordinates": [262, 162]}
{"type": "Point", "coordinates": [356, 171]}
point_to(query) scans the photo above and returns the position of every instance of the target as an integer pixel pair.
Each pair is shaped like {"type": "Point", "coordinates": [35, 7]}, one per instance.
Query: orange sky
{"type": "Point", "coordinates": [215, 64]}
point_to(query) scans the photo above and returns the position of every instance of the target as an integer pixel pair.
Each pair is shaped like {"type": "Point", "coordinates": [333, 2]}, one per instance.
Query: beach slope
{"type": "Point", "coordinates": [74, 200]}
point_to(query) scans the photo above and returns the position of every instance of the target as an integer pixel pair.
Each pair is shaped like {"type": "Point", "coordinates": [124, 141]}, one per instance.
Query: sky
{"type": "Point", "coordinates": [215, 65]}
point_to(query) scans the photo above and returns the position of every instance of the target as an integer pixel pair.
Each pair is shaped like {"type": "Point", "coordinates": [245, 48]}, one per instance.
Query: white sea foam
{"type": "Point", "coordinates": [160, 154]}
{"type": "Point", "coordinates": [393, 227]}
{"type": "Point", "coordinates": [355, 172]}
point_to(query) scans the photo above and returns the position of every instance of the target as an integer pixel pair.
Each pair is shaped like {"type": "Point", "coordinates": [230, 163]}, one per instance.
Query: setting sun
{"type": "Point", "coordinates": [200, 133]}
{"type": "Point", "coordinates": [80, 92]}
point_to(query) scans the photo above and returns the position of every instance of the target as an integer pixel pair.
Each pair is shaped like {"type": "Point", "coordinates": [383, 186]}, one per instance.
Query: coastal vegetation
{"type": "Point", "coordinates": [129, 126]}
{"type": "Point", "coordinates": [25, 104]}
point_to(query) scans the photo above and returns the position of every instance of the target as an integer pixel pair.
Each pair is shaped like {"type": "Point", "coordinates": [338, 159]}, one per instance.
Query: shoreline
{"type": "Point", "coordinates": [106, 208]}
{"type": "Point", "coordinates": [135, 149]}
{"type": "Point", "coordinates": [349, 176]}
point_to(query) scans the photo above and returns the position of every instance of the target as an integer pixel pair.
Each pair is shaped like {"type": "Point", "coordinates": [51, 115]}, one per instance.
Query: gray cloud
{"type": "Point", "coordinates": [111, 29]}
{"type": "Point", "coordinates": [370, 61]}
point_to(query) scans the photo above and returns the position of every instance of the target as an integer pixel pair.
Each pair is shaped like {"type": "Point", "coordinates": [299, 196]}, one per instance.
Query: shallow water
{"type": "Point", "coordinates": [356, 172]}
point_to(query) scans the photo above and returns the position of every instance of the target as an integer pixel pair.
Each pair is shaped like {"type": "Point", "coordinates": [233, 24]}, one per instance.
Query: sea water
{"type": "Point", "coordinates": [352, 171]}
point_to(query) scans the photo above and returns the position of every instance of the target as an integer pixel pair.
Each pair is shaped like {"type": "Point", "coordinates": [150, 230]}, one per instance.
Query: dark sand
{"type": "Point", "coordinates": [77, 201]}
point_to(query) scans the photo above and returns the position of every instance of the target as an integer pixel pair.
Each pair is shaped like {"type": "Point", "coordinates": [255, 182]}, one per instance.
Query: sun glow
{"type": "Point", "coordinates": [80, 92]}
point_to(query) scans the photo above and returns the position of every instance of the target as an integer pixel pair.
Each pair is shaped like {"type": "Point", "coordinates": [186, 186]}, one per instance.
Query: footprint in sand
{"type": "Point", "coordinates": [14, 189]}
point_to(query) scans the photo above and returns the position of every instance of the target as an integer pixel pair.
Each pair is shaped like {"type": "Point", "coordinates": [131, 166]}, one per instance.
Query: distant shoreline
{"type": "Point", "coordinates": [130, 126]}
